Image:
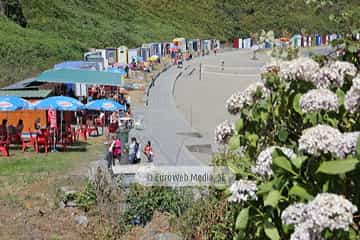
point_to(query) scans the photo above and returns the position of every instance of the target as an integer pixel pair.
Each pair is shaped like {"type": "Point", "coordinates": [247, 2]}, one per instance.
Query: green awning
{"type": "Point", "coordinates": [81, 76]}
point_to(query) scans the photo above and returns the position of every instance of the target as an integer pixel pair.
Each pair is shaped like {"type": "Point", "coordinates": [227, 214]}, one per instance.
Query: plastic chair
{"type": "Point", "coordinates": [43, 139]}
{"type": "Point", "coordinates": [4, 145]}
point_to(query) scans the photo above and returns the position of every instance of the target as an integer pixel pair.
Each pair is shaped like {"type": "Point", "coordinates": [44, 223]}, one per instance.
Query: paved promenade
{"type": "Point", "coordinates": [183, 112]}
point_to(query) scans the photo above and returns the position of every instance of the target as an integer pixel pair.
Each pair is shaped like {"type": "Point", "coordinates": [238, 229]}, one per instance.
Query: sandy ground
{"type": "Point", "coordinates": [202, 102]}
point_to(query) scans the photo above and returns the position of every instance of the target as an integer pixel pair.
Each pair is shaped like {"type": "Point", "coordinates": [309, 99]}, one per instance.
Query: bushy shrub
{"type": "Point", "coordinates": [298, 154]}
{"type": "Point", "coordinates": [143, 201]}
{"type": "Point", "coordinates": [207, 218]}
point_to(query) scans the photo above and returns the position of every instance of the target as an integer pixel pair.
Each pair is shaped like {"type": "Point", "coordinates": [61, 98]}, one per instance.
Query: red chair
{"type": "Point", "coordinates": [43, 139]}
{"type": "Point", "coordinates": [4, 146]}
{"type": "Point", "coordinates": [81, 132]}
{"type": "Point", "coordinates": [91, 129]}
{"type": "Point", "coordinates": [26, 142]}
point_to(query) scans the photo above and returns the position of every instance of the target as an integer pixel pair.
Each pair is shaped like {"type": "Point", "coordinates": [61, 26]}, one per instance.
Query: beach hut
{"type": "Point", "coordinates": [122, 55]}
{"type": "Point", "coordinates": [296, 41]}
{"type": "Point", "coordinates": [189, 45]}
{"type": "Point", "coordinates": [111, 55]}
{"type": "Point", "coordinates": [155, 49]}
{"type": "Point", "coordinates": [96, 57]}
{"type": "Point", "coordinates": [145, 52]}
{"type": "Point", "coordinates": [318, 40]}
{"type": "Point", "coordinates": [181, 43]}
{"type": "Point", "coordinates": [196, 45]}
{"type": "Point", "coordinates": [236, 43]}
{"type": "Point", "coordinates": [327, 39]}
{"type": "Point", "coordinates": [248, 43]}
{"type": "Point", "coordinates": [133, 54]}
{"type": "Point", "coordinates": [333, 37]}
{"type": "Point", "coordinates": [217, 44]}
{"type": "Point", "coordinates": [206, 45]}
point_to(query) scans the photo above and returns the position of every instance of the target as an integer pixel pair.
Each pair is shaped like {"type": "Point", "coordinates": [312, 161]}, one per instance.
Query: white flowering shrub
{"type": "Point", "coordinates": [298, 175]}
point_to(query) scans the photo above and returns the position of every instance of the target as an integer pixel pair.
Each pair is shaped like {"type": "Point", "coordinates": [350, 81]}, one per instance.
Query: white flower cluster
{"type": "Point", "coordinates": [272, 67]}
{"type": "Point", "coordinates": [344, 68]}
{"type": "Point", "coordinates": [298, 69]}
{"type": "Point", "coordinates": [319, 99]}
{"type": "Point", "coordinates": [264, 160]}
{"type": "Point", "coordinates": [326, 211]}
{"type": "Point", "coordinates": [248, 97]}
{"type": "Point", "coordinates": [326, 77]}
{"type": "Point", "coordinates": [242, 191]}
{"type": "Point", "coordinates": [325, 139]}
{"type": "Point", "coordinates": [224, 131]}
{"type": "Point", "coordinates": [349, 142]}
{"type": "Point", "coordinates": [352, 97]}
{"type": "Point", "coordinates": [309, 70]}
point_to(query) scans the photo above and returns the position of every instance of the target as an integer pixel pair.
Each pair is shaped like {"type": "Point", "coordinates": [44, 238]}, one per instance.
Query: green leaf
{"type": "Point", "coordinates": [301, 192]}
{"type": "Point", "coordinates": [239, 125]}
{"type": "Point", "coordinates": [296, 103]}
{"type": "Point", "coordinates": [235, 169]}
{"type": "Point", "coordinates": [341, 95]}
{"type": "Point", "coordinates": [338, 166]}
{"type": "Point", "coordinates": [325, 186]}
{"type": "Point", "coordinates": [272, 199]}
{"type": "Point", "coordinates": [358, 148]}
{"type": "Point", "coordinates": [283, 135]}
{"type": "Point", "coordinates": [264, 188]}
{"type": "Point", "coordinates": [353, 48]}
{"type": "Point", "coordinates": [234, 143]}
{"type": "Point", "coordinates": [283, 163]}
{"type": "Point", "coordinates": [252, 138]}
{"type": "Point", "coordinates": [298, 161]}
{"type": "Point", "coordinates": [272, 233]}
{"type": "Point", "coordinates": [242, 219]}
{"type": "Point", "coordinates": [264, 116]}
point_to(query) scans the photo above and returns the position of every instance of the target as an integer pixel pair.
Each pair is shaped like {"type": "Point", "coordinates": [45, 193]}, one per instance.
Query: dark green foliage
{"type": "Point", "coordinates": [142, 202]}
{"type": "Point", "coordinates": [87, 198]}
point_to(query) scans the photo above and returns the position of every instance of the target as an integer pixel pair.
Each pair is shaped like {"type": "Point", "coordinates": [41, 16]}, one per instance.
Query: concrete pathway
{"type": "Point", "coordinates": [180, 139]}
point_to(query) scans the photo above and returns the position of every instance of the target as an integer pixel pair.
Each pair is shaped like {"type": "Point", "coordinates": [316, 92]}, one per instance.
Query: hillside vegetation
{"type": "Point", "coordinates": [50, 31]}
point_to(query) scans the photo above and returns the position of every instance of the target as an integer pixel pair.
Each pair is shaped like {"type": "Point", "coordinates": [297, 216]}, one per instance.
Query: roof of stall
{"type": "Point", "coordinates": [29, 94]}
{"type": "Point", "coordinates": [81, 76]}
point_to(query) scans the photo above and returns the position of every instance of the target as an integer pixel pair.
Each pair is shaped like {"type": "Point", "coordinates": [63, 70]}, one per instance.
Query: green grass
{"type": "Point", "coordinates": [62, 30]}
{"type": "Point", "coordinates": [26, 168]}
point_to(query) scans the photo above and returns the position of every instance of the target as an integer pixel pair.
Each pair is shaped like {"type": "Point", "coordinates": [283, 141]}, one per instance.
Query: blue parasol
{"type": "Point", "coordinates": [13, 103]}
{"type": "Point", "coordinates": [59, 103]}
{"type": "Point", "coordinates": [104, 105]}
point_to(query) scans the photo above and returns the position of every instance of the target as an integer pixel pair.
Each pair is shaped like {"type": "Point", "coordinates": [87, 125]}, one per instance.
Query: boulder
{"type": "Point", "coordinates": [81, 220]}
{"type": "Point", "coordinates": [167, 236]}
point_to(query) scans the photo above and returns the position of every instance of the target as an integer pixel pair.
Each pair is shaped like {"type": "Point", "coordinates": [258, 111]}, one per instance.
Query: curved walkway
{"type": "Point", "coordinates": [179, 139]}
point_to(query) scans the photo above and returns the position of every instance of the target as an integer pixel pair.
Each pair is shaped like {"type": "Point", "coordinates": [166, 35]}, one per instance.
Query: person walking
{"type": "Point", "coordinates": [148, 151]}
{"type": "Point", "coordinates": [133, 150]}
{"type": "Point", "coordinates": [115, 148]}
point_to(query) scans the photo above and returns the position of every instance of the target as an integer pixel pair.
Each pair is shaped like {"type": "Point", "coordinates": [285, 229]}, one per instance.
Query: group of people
{"type": "Point", "coordinates": [134, 154]}
{"type": "Point", "coordinates": [11, 130]}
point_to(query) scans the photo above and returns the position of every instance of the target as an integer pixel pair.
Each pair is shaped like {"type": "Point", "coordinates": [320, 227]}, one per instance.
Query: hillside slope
{"type": "Point", "coordinates": [60, 30]}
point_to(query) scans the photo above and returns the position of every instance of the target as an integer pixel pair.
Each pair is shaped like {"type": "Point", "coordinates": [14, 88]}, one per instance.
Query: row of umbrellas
{"type": "Point", "coordinates": [59, 103]}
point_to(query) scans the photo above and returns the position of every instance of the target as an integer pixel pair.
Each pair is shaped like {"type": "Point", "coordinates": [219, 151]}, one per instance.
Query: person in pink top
{"type": "Point", "coordinates": [115, 149]}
